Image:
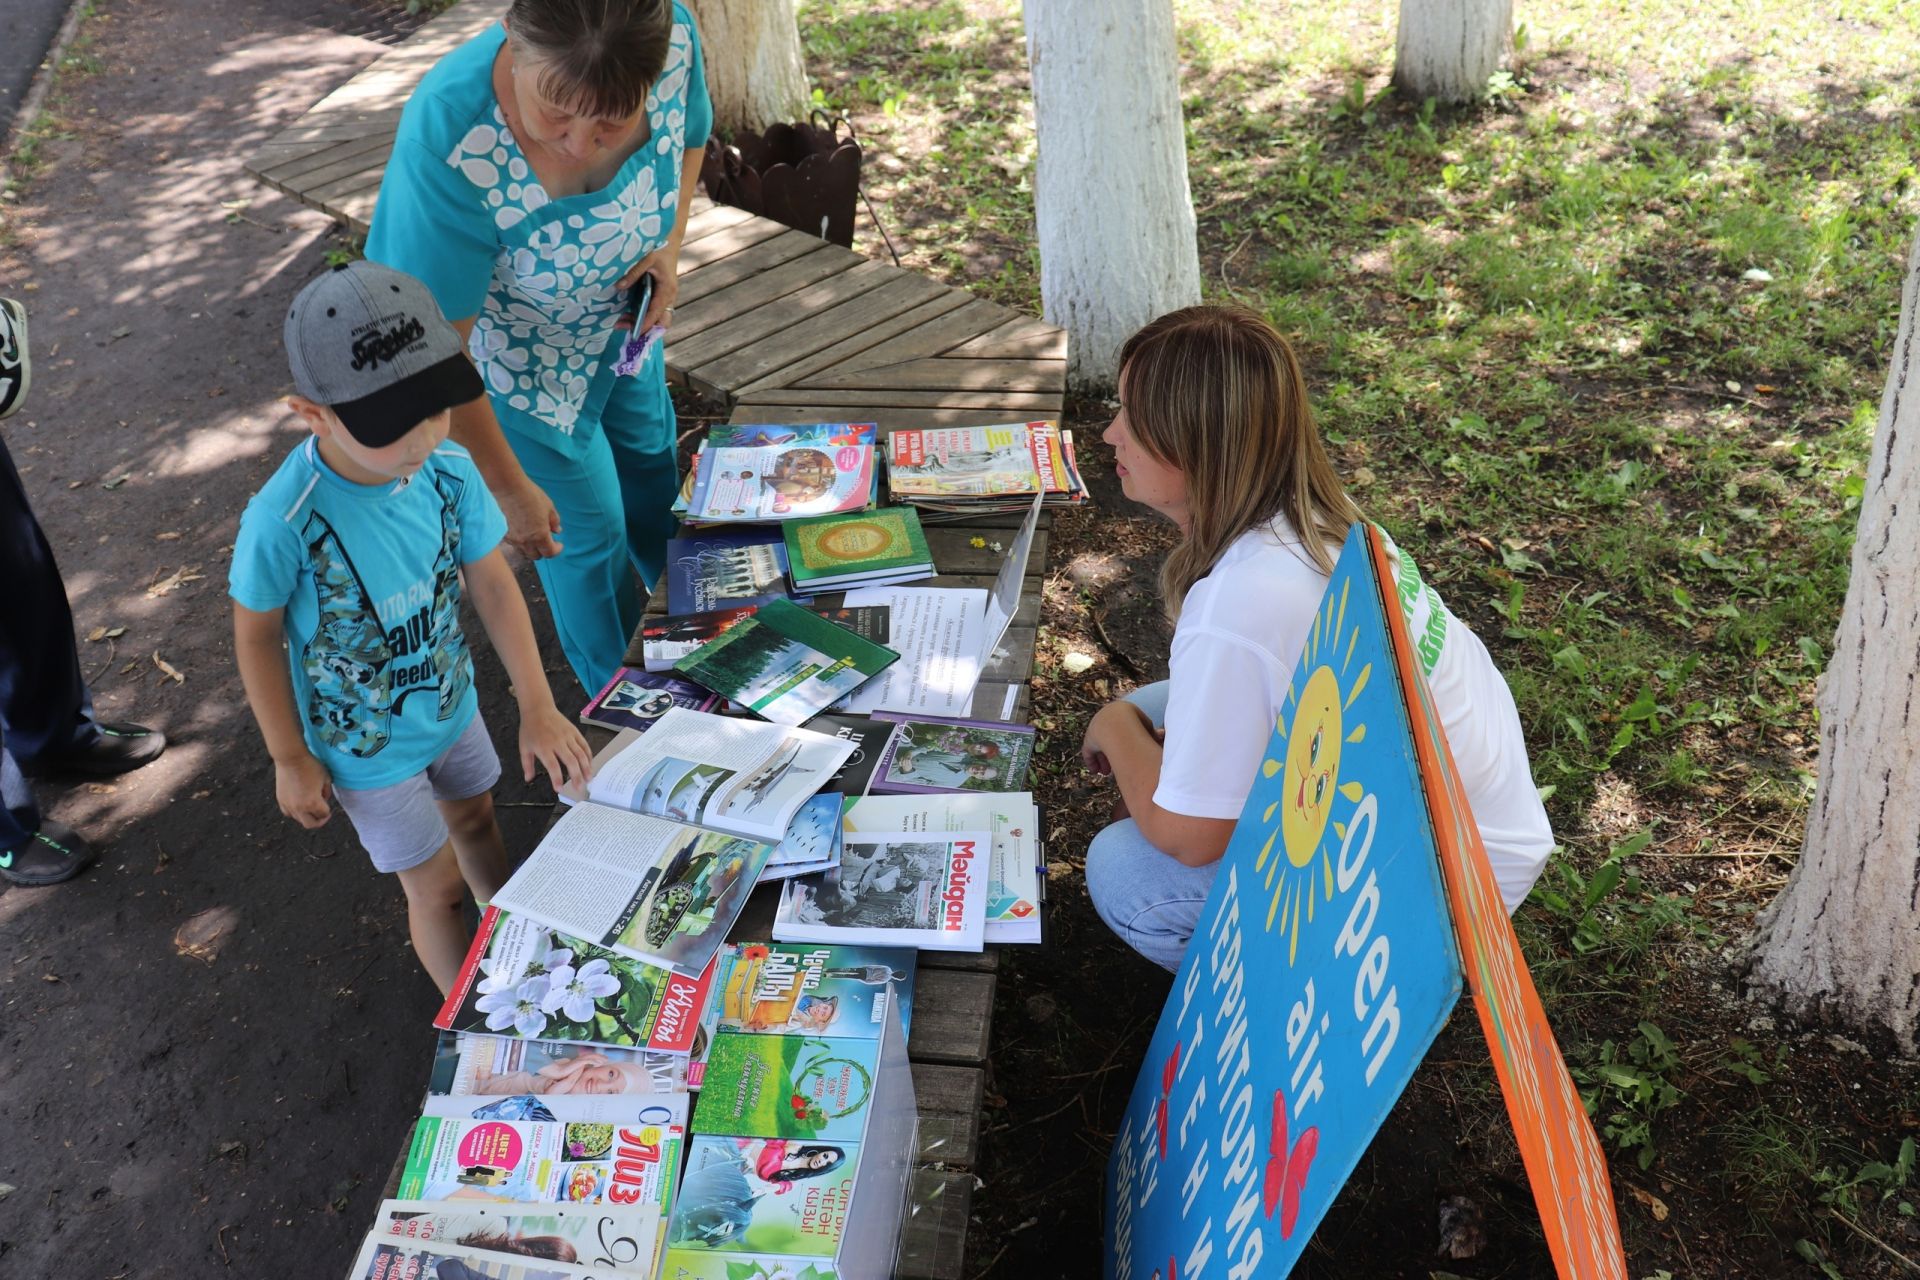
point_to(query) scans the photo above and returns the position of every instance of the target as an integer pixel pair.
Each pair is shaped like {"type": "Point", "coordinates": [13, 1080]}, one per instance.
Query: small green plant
{"type": "Point", "coordinates": [1630, 1087]}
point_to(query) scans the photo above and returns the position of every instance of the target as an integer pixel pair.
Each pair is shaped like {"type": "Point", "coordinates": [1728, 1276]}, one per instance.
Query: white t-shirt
{"type": "Point", "coordinates": [1240, 635]}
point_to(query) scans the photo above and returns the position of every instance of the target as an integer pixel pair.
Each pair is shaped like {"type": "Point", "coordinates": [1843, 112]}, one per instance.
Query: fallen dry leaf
{"type": "Point", "coordinates": [180, 577]}
{"type": "Point", "coordinates": [1655, 1205]}
{"type": "Point", "coordinates": [168, 669]}
{"type": "Point", "coordinates": [98, 633]}
{"type": "Point", "coordinates": [169, 536]}
{"type": "Point", "coordinates": [201, 937]}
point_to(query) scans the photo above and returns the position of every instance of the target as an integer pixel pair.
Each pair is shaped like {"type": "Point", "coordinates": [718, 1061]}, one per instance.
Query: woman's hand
{"type": "Point", "coordinates": [663, 264]}
{"type": "Point", "coordinates": [1113, 719]}
{"type": "Point", "coordinates": [304, 791]}
{"type": "Point", "coordinates": [533, 524]}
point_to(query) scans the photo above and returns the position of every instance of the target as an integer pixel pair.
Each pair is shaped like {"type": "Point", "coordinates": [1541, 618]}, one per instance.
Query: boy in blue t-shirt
{"type": "Point", "coordinates": [349, 563]}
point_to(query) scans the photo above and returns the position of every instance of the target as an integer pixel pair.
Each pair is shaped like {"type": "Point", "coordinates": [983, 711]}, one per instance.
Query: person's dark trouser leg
{"type": "Point", "coordinates": [19, 816]}
{"type": "Point", "coordinates": [43, 697]}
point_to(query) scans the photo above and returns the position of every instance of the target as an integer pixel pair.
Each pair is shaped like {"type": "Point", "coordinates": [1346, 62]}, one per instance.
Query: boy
{"type": "Point", "coordinates": [352, 554]}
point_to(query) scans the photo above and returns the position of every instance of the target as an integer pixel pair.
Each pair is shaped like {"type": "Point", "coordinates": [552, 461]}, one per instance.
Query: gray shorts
{"type": "Point", "coordinates": [400, 825]}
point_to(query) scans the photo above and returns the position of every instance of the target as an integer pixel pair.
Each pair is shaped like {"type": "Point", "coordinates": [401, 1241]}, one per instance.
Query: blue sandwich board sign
{"type": "Point", "coordinates": [1323, 966]}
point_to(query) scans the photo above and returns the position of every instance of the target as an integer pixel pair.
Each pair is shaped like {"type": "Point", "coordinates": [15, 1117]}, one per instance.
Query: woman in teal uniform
{"type": "Point", "coordinates": [541, 169]}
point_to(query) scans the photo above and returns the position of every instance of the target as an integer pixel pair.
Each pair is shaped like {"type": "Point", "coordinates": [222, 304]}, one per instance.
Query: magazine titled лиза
{"type": "Point", "coordinates": [679, 825]}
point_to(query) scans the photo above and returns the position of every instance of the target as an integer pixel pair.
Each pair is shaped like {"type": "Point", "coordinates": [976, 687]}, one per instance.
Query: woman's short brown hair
{"type": "Point", "coordinates": [596, 57]}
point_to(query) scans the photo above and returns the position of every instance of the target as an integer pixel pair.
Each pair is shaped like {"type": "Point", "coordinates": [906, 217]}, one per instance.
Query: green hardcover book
{"type": "Point", "coordinates": [785, 663]}
{"type": "Point", "coordinates": [863, 544]}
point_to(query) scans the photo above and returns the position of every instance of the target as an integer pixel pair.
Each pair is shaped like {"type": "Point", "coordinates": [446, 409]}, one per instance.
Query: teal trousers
{"type": "Point", "coordinates": [615, 500]}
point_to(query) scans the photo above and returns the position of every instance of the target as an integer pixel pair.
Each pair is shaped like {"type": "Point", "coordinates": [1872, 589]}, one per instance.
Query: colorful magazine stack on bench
{"type": "Point", "coordinates": [969, 471]}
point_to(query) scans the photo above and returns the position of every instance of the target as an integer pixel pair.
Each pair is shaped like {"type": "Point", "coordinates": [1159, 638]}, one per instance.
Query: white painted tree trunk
{"type": "Point", "coordinates": [755, 73]}
{"type": "Point", "coordinates": [1447, 49]}
{"type": "Point", "coordinates": [1117, 244]}
{"type": "Point", "coordinates": [1842, 941]}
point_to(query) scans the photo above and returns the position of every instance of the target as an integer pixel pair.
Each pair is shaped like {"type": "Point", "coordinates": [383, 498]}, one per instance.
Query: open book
{"type": "Point", "coordinates": [678, 826]}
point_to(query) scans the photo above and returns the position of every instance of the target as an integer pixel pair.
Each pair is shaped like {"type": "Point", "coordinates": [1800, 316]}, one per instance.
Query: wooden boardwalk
{"type": "Point", "coordinates": [783, 327]}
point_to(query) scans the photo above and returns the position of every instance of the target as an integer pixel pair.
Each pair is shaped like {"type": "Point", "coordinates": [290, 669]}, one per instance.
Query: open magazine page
{"type": "Point", "coordinates": [523, 980]}
{"type": "Point", "coordinates": [733, 775]}
{"type": "Point", "coordinates": [939, 633]}
{"type": "Point", "coordinates": [584, 1235]}
{"type": "Point", "coordinates": [466, 1064]}
{"type": "Point", "coordinates": [1013, 888]}
{"type": "Point", "coordinates": [658, 891]}
{"type": "Point", "coordinates": [511, 1161]}
{"type": "Point", "coordinates": [928, 891]}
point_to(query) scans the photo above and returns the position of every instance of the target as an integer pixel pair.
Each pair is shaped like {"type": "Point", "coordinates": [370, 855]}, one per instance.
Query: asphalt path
{"type": "Point", "coordinates": [27, 28]}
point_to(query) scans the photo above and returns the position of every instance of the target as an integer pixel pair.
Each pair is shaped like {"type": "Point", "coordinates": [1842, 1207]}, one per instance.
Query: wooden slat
{"type": "Point", "coordinates": [338, 181]}
{"type": "Point", "coordinates": [736, 302]}
{"type": "Point", "coordinates": [867, 335]}
{"type": "Point", "coordinates": [799, 412]}
{"type": "Point", "coordinates": [933, 1242]}
{"type": "Point", "coordinates": [930, 339]}
{"type": "Point", "coordinates": [692, 353]}
{"type": "Point", "coordinates": [986, 961]}
{"type": "Point", "coordinates": [714, 218]}
{"type": "Point", "coordinates": [940, 374]}
{"type": "Point", "coordinates": [756, 251]}
{"type": "Point", "coordinates": [1022, 338]}
{"type": "Point", "coordinates": [949, 1102]}
{"type": "Point", "coordinates": [952, 1017]}
{"type": "Point", "coordinates": [1022, 405]}
{"type": "Point", "coordinates": [805, 322]}
{"type": "Point", "coordinates": [297, 167]}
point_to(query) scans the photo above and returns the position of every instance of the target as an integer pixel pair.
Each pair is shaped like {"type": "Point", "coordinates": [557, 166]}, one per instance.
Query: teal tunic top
{"type": "Point", "coordinates": [461, 209]}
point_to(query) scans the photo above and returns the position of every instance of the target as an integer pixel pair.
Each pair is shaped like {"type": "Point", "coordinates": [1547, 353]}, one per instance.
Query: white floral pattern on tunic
{"type": "Point", "coordinates": [551, 305]}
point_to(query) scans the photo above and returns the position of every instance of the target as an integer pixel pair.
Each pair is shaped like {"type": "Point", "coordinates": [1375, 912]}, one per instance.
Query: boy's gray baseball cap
{"type": "Point", "coordinates": [370, 343]}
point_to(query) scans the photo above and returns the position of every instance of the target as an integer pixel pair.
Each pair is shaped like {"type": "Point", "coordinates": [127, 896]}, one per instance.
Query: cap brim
{"type": "Point", "coordinates": [389, 413]}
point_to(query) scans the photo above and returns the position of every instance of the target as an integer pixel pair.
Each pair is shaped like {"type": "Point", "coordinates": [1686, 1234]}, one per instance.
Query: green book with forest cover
{"type": "Point", "coordinates": [786, 664]}
{"type": "Point", "coordinates": [860, 546]}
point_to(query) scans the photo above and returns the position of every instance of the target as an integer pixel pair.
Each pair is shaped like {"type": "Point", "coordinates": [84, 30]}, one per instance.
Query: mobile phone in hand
{"type": "Point", "coordinates": [633, 351]}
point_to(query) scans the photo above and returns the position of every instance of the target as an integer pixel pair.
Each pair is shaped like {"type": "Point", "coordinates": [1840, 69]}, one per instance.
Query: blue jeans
{"type": "Point", "coordinates": [1151, 899]}
{"type": "Point", "coordinates": [615, 503]}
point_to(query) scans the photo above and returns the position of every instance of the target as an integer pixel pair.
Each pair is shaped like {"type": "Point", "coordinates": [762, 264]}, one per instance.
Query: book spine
{"type": "Point", "coordinates": [469, 970]}
{"type": "Point", "coordinates": [413, 1180]}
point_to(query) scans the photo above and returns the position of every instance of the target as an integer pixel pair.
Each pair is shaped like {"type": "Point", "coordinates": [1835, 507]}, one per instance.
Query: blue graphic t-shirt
{"type": "Point", "coordinates": [369, 578]}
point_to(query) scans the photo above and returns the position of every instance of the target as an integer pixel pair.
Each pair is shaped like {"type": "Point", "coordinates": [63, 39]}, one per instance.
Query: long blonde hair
{"type": "Point", "coordinates": [1216, 392]}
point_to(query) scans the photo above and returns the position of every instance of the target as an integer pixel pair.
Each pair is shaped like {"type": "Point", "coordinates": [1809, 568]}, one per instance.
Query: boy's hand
{"type": "Point", "coordinates": [304, 791]}
{"type": "Point", "coordinates": [553, 740]}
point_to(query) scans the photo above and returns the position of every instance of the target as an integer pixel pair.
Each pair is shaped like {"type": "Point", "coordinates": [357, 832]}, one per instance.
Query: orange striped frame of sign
{"type": "Point", "coordinates": [1564, 1162]}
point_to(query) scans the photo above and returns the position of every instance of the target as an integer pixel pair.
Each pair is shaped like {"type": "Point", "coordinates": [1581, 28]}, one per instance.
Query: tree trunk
{"type": "Point", "coordinates": [1117, 244]}
{"type": "Point", "coordinates": [755, 73]}
{"type": "Point", "coordinates": [1842, 941]}
{"type": "Point", "coordinates": [1448, 49]}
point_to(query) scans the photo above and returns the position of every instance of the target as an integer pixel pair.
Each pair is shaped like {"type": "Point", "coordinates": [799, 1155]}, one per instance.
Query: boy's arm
{"type": "Point", "coordinates": [300, 782]}
{"type": "Point", "coordinates": [545, 734]}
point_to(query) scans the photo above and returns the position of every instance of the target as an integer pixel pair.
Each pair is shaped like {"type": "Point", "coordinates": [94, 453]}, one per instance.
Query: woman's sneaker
{"type": "Point", "coordinates": [53, 853]}
{"type": "Point", "coordinates": [15, 369]}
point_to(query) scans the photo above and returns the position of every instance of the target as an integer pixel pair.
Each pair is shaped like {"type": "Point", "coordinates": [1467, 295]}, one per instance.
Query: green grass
{"type": "Point", "coordinates": [1611, 345]}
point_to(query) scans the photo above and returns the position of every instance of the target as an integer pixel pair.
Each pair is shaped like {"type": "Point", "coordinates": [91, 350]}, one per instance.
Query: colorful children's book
{"type": "Point", "coordinates": [725, 570]}
{"type": "Point", "coordinates": [523, 980]}
{"type": "Point", "coordinates": [766, 1196]}
{"type": "Point", "coordinates": [468, 1064]}
{"type": "Point", "coordinates": [1015, 888]}
{"type": "Point", "coordinates": [619, 1238]}
{"type": "Point", "coordinates": [929, 754]}
{"type": "Point", "coordinates": [864, 549]}
{"type": "Point", "coordinates": [792, 988]}
{"type": "Point", "coordinates": [634, 699]}
{"type": "Point", "coordinates": [511, 1161]}
{"type": "Point", "coordinates": [927, 891]}
{"type": "Point", "coordinates": [793, 1086]}
{"type": "Point", "coordinates": [786, 664]}
{"type": "Point", "coordinates": [781, 482]}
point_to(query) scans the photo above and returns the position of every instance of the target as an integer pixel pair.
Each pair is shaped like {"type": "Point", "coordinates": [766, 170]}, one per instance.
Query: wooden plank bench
{"type": "Point", "coordinates": [782, 327]}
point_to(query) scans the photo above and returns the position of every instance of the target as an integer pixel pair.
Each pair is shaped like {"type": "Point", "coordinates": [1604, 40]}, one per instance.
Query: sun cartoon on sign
{"type": "Point", "coordinates": [1310, 735]}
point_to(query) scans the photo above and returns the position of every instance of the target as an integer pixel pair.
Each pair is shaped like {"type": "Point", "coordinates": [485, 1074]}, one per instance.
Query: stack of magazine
{"type": "Point", "coordinates": [767, 474]}
{"type": "Point", "coordinates": [967, 471]}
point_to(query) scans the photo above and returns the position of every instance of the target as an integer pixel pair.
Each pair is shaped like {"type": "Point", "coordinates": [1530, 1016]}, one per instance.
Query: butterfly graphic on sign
{"type": "Point", "coordinates": [1166, 1092]}
{"type": "Point", "coordinates": [1287, 1167]}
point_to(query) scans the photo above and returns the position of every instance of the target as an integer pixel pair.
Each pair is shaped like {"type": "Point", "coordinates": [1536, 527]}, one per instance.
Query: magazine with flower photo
{"type": "Point", "coordinates": [622, 1238]}
{"type": "Point", "coordinates": [764, 1196]}
{"type": "Point", "coordinates": [522, 979]}
{"type": "Point", "coordinates": [469, 1064]}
